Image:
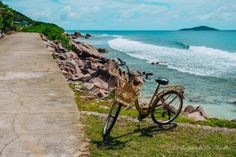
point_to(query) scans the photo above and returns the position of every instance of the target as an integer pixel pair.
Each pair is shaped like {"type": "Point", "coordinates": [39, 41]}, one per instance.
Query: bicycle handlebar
{"type": "Point", "coordinates": [147, 75]}
{"type": "Point", "coordinates": [122, 63]}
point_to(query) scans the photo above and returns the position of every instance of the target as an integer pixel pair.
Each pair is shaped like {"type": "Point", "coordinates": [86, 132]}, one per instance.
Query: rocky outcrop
{"type": "Point", "coordinates": [110, 73]}
{"type": "Point", "coordinates": [189, 109]}
{"type": "Point", "coordinates": [88, 36]}
{"type": "Point", "coordinates": [233, 120]}
{"type": "Point", "coordinates": [85, 66]}
{"type": "Point", "coordinates": [97, 82]}
{"type": "Point", "coordinates": [197, 113]}
{"type": "Point", "coordinates": [158, 62]}
{"type": "Point", "coordinates": [84, 50]}
{"type": "Point", "coordinates": [102, 50]}
{"type": "Point", "coordinates": [155, 62]}
{"type": "Point", "coordinates": [78, 35]}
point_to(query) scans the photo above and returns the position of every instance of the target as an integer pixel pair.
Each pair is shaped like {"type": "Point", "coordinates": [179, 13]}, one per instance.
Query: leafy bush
{"type": "Point", "coordinates": [51, 31]}
{"type": "Point", "coordinates": [1, 22]}
{"type": "Point", "coordinates": [6, 19]}
{"type": "Point", "coordinates": [11, 19]}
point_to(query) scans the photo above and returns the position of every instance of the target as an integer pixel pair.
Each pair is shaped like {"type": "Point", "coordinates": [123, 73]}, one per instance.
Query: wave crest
{"type": "Point", "coordinates": [108, 35]}
{"type": "Point", "coordinates": [196, 60]}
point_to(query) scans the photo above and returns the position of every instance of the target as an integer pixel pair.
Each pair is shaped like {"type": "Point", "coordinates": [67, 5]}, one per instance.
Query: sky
{"type": "Point", "coordinates": [130, 14]}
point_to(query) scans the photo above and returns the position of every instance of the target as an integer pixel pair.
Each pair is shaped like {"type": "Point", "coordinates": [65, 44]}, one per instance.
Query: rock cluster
{"type": "Point", "coordinates": [195, 113]}
{"type": "Point", "coordinates": [86, 67]}
{"type": "Point", "coordinates": [95, 74]}
{"type": "Point", "coordinates": [102, 50]}
{"type": "Point", "coordinates": [78, 35]}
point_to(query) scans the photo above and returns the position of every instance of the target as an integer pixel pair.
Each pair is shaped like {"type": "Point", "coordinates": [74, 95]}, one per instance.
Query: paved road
{"type": "Point", "coordinates": [38, 115]}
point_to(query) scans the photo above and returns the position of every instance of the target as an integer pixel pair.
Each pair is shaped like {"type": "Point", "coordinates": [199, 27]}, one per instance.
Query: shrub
{"type": "Point", "coordinates": [51, 31]}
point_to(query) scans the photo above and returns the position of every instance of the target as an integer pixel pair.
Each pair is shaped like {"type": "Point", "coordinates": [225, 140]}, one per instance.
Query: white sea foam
{"type": "Point", "coordinates": [195, 60]}
{"type": "Point", "coordinates": [108, 35]}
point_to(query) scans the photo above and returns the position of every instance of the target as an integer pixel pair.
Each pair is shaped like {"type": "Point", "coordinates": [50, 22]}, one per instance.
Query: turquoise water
{"type": "Point", "coordinates": [207, 68]}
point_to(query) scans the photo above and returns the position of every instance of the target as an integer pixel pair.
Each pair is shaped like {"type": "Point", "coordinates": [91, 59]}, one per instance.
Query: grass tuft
{"type": "Point", "coordinates": [97, 105]}
{"type": "Point", "coordinates": [129, 140]}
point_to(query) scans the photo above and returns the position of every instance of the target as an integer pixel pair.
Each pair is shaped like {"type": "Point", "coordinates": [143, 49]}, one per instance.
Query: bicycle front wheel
{"type": "Point", "coordinates": [167, 108]}
{"type": "Point", "coordinates": [111, 119]}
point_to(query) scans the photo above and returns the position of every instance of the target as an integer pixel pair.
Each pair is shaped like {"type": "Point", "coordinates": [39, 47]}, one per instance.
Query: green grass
{"type": "Point", "coordinates": [97, 106]}
{"type": "Point", "coordinates": [129, 140]}
{"type": "Point", "coordinates": [51, 31]}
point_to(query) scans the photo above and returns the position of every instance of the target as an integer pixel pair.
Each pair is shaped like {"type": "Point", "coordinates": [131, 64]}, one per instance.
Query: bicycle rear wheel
{"type": "Point", "coordinates": [111, 119]}
{"type": "Point", "coordinates": [167, 108]}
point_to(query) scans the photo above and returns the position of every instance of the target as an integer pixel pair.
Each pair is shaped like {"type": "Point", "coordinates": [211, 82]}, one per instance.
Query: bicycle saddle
{"type": "Point", "coordinates": [162, 81]}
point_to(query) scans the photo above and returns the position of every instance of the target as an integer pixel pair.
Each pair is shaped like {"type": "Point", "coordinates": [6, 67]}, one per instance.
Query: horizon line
{"type": "Point", "coordinates": [147, 30]}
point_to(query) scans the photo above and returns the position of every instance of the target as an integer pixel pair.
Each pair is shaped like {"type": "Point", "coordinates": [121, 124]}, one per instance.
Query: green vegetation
{"type": "Point", "coordinates": [199, 28]}
{"type": "Point", "coordinates": [98, 106]}
{"type": "Point", "coordinates": [129, 140]}
{"type": "Point", "coordinates": [51, 31]}
{"type": "Point", "coordinates": [13, 20]}
{"type": "Point", "coordinates": [6, 18]}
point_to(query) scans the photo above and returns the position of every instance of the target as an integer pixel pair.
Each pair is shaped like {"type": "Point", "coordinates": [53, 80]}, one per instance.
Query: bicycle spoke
{"type": "Point", "coordinates": [172, 100]}
{"type": "Point", "coordinates": [167, 97]}
{"type": "Point", "coordinates": [171, 105]}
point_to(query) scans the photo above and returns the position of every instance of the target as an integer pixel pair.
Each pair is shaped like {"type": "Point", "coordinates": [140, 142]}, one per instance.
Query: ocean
{"type": "Point", "coordinates": [203, 61]}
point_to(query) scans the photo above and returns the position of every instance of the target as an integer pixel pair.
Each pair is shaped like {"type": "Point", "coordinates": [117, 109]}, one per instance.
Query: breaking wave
{"type": "Point", "coordinates": [198, 60]}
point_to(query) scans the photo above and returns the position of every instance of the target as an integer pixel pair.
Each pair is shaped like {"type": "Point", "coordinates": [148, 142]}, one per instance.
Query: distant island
{"type": "Point", "coordinates": [199, 28]}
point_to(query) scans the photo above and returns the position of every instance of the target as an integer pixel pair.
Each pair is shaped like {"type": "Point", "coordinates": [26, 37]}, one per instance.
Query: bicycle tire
{"type": "Point", "coordinates": [167, 94]}
{"type": "Point", "coordinates": [108, 125]}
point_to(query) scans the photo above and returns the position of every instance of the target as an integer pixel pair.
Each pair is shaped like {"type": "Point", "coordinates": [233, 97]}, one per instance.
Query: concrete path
{"type": "Point", "coordinates": [38, 115]}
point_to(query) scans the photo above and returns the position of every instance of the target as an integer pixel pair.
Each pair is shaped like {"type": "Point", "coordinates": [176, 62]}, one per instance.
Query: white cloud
{"type": "Point", "coordinates": [224, 12]}
{"type": "Point", "coordinates": [130, 14]}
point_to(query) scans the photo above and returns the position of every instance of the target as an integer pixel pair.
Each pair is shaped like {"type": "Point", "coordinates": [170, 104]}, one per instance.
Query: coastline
{"type": "Point", "coordinates": [90, 68]}
{"type": "Point", "coordinates": [83, 69]}
{"type": "Point", "coordinates": [59, 87]}
{"type": "Point", "coordinates": [209, 84]}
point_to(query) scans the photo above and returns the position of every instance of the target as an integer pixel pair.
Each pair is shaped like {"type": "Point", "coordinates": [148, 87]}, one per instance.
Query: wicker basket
{"type": "Point", "coordinates": [126, 93]}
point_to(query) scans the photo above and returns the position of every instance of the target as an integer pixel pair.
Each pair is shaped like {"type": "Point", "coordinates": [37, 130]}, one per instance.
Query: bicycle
{"type": "Point", "coordinates": [164, 106]}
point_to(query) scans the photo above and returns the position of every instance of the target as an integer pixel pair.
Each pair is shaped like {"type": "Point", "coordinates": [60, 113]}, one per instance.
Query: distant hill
{"type": "Point", "coordinates": [199, 28]}
{"type": "Point", "coordinates": [12, 20]}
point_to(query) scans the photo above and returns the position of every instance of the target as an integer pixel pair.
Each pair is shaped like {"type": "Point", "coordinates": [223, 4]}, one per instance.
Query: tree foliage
{"type": "Point", "coordinates": [11, 20]}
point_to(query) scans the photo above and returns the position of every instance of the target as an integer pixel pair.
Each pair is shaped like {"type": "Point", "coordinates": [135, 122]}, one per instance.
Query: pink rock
{"type": "Point", "coordinates": [85, 78]}
{"type": "Point", "coordinates": [189, 109]}
{"type": "Point", "coordinates": [92, 64]}
{"type": "Point", "coordinates": [100, 83]}
{"type": "Point", "coordinates": [73, 66]}
{"type": "Point", "coordinates": [110, 73]}
{"type": "Point", "coordinates": [71, 55]}
{"type": "Point", "coordinates": [201, 111]}
{"type": "Point", "coordinates": [196, 116]}
{"type": "Point", "coordinates": [100, 93]}
{"type": "Point", "coordinates": [51, 49]}
{"type": "Point", "coordinates": [85, 50]}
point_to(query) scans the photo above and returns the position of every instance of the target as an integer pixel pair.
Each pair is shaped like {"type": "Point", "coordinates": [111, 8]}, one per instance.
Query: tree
{"type": "Point", "coordinates": [1, 22]}
{"type": "Point", "coordinates": [6, 19]}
